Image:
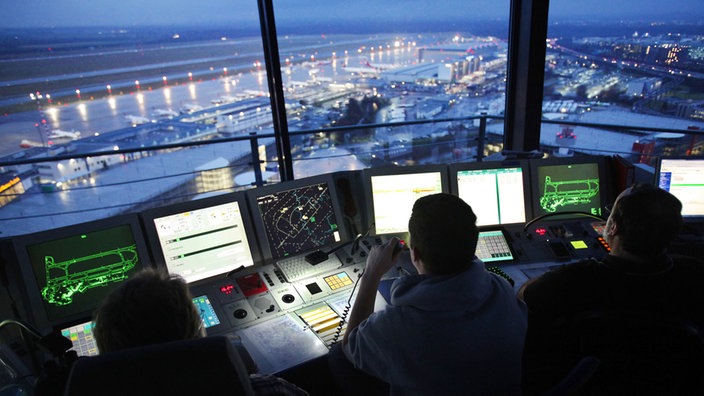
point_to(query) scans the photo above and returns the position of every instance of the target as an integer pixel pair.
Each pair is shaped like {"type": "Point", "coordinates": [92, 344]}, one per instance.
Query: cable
{"type": "Point", "coordinates": [23, 325]}
{"type": "Point", "coordinates": [355, 244]}
{"type": "Point", "coordinates": [346, 310]}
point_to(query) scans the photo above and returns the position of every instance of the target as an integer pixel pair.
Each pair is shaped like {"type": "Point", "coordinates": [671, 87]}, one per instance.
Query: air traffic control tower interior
{"type": "Point", "coordinates": [247, 255]}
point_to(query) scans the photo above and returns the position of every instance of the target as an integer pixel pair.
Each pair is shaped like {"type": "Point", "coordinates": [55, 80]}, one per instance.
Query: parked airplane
{"type": "Point", "coordinates": [379, 66]}
{"type": "Point", "coordinates": [165, 113]}
{"type": "Point", "coordinates": [362, 70]}
{"type": "Point", "coordinates": [26, 143]}
{"type": "Point", "coordinates": [137, 120]}
{"type": "Point", "coordinates": [59, 134]}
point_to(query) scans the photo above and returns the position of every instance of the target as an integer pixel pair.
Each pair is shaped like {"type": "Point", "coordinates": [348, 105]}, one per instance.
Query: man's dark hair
{"type": "Point", "coordinates": [648, 219]}
{"type": "Point", "coordinates": [150, 307]}
{"type": "Point", "coordinates": [443, 228]}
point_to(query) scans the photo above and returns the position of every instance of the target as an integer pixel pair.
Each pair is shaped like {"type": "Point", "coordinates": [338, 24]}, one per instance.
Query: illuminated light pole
{"type": "Point", "coordinates": [109, 87]}
{"type": "Point", "coordinates": [190, 76]}
{"type": "Point", "coordinates": [165, 80]}
{"type": "Point", "coordinates": [224, 70]}
{"type": "Point", "coordinates": [136, 83]}
{"type": "Point", "coordinates": [78, 94]}
{"type": "Point", "coordinates": [48, 98]}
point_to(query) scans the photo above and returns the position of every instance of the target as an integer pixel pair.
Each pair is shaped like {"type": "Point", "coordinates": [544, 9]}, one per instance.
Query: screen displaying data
{"type": "Point", "coordinates": [201, 243]}
{"type": "Point", "coordinates": [206, 311]}
{"type": "Point", "coordinates": [684, 178]}
{"type": "Point", "coordinates": [75, 272]}
{"type": "Point", "coordinates": [82, 338]}
{"type": "Point", "coordinates": [568, 188]}
{"type": "Point", "coordinates": [393, 197]}
{"type": "Point", "coordinates": [495, 195]}
{"type": "Point", "coordinates": [492, 246]}
{"type": "Point", "coordinates": [299, 220]}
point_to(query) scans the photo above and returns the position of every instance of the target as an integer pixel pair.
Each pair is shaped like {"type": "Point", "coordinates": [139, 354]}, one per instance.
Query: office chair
{"type": "Point", "coordinates": [203, 366]}
{"type": "Point", "coordinates": [639, 353]}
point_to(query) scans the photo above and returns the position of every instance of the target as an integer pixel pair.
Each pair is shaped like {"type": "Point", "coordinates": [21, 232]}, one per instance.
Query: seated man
{"type": "Point", "coordinates": [153, 307]}
{"type": "Point", "coordinates": [637, 276]}
{"type": "Point", "coordinates": [454, 328]}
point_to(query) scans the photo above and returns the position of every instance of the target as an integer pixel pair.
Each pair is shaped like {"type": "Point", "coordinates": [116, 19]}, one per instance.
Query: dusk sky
{"type": "Point", "coordinates": [48, 13]}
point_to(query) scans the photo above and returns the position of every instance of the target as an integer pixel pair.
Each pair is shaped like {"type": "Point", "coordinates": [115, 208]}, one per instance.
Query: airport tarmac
{"type": "Point", "coordinates": [90, 116]}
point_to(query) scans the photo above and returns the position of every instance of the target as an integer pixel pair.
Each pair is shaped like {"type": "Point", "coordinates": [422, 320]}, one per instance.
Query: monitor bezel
{"type": "Point", "coordinates": [367, 174]}
{"type": "Point", "coordinates": [255, 193]}
{"type": "Point", "coordinates": [656, 179]}
{"type": "Point", "coordinates": [149, 216]}
{"type": "Point", "coordinates": [525, 171]}
{"type": "Point", "coordinates": [36, 310]}
{"type": "Point", "coordinates": [606, 196]}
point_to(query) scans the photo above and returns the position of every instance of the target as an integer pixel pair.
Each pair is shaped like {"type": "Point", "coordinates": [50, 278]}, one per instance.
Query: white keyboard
{"type": "Point", "coordinates": [297, 268]}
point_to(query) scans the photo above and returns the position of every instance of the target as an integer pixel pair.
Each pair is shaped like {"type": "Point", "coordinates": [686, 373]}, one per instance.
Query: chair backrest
{"type": "Point", "coordinates": [638, 352]}
{"type": "Point", "coordinates": [204, 366]}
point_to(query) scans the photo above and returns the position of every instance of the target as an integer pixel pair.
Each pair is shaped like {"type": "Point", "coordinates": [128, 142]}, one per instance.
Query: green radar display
{"type": "Point", "coordinates": [75, 270]}
{"type": "Point", "coordinates": [570, 187]}
{"type": "Point", "coordinates": [76, 275]}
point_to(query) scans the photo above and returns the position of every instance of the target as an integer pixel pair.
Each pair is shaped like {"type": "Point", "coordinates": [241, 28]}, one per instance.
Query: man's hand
{"type": "Point", "coordinates": [381, 259]}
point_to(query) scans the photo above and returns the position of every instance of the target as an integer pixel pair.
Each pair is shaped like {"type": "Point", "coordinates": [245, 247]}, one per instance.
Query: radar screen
{"type": "Point", "coordinates": [299, 220]}
{"type": "Point", "coordinates": [570, 187]}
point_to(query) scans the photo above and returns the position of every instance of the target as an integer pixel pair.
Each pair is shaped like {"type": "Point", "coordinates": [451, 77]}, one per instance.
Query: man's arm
{"type": "Point", "coordinates": [380, 260]}
{"type": "Point", "coordinates": [521, 291]}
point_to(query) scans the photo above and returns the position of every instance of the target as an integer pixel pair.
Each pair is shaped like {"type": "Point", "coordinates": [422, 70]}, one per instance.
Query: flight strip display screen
{"type": "Point", "coordinates": [299, 219]}
{"type": "Point", "coordinates": [684, 178]}
{"type": "Point", "coordinates": [205, 242]}
{"type": "Point", "coordinates": [393, 197]}
{"type": "Point", "coordinates": [495, 195]}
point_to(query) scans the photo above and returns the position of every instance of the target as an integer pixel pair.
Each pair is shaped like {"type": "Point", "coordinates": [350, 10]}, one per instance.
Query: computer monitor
{"type": "Point", "coordinates": [202, 238]}
{"type": "Point", "coordinates": [392, 191]}
{"type": "Point", "coordinates": [497, 191]}
{"type": "Point", "coordinates": [574, 184]}
{"type": "Point", "coordinates": [68, 271]}
{"type": "Point", "coordinates": [683, 177]}
{"type": "Point", "coordinates": [297, 216]}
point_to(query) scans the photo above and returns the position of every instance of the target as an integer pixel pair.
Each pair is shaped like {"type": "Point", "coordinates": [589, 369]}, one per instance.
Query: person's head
{"type": "Point", "coordinates": [443, 233]}
{"type": "Point", "coordinates": [149, 308]}
{"type": "Point", "coordinates": [644, 220]}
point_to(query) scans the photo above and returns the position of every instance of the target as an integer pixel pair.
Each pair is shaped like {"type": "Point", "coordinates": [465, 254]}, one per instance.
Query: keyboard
{"type": "Point", "coordinates": [297, 268]}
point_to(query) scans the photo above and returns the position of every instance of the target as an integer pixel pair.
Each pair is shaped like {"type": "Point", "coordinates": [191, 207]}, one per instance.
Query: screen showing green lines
{"type": "Point", "coordinates": [74, 270]}
{"type": "Point", "coordinates": [570, 187]}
